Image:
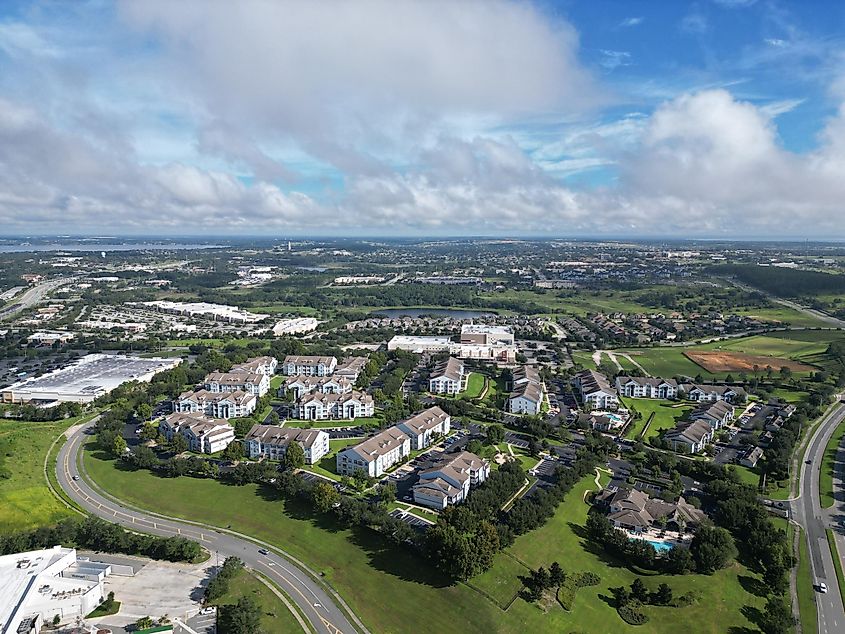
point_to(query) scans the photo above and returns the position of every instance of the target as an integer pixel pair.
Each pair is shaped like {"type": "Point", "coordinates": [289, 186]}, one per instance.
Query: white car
{"type": "Point", "coordinates": [822, 587]}
{"type": "Point", "coordinates": [208, 610]}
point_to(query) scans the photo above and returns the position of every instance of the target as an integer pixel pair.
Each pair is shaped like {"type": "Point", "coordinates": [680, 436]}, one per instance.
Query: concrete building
{"type": "Point", "coordinates": [646, 387]}
{"type": "Point", "coordinates": [375, 455]}
{"type": "Point", "coordinates": [309, 366]}
{"type": "Point", "coordinates": [716, 414]}
{"type": "Point", "coordinates": [713, 393]}
{"type": "Point", "coordinates": [689, 436]}
{"type": "Point", "coordinates": [38, 585]}
{"type": "Point", "coordinates": [596, 390]}
{"type": "Point", "coordinates": [205, 310]}
{"type": "Point", "coordinates": [297, 326]}
{"type": "Point", "coordinates": [448, 377]}
{"type": "Point", "coordinates": [422, 427]}
{"type": "Point", "coordinates": [486, 335]}
{"type": "Point", "coordinates": [257, 365]}
{"type": "Point", "coordinates": [449, 481]}
{"type": "Point", "coordinates": [252, 383]}
{"type": "Point", "coordinates": [351, 368]}
{"type": "Point", "coordinates": [84, 380]}
{"type": "Point", "coordinates": [203, 434]}
{"type": "Point", "coordinates": [271, 442]}
{"type": "Point", "coordinates": [527, 391]}
{"type": "Point", "coordinates": [235, 404]}
{"type": "Point", "coordinates": [419, 345]}
{"type": "Point", "coordinates": [50, 338]}
{"type": "Point", "coordinates": [320, 406]}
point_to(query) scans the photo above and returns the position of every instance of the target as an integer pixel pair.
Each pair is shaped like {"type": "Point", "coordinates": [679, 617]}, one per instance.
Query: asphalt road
{"type": "Point", "coordinates": [316, 604]}
{"type": "Point", "coordinates": [33, 295]}
{"type": "Point", "coordinates": [814, 519]}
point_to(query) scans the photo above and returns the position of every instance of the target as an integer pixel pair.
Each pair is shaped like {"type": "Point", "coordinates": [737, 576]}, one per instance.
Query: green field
{"type": "Point", "coordinates": [328, 463]}
{"type": "Point", "coordinates": [668, 362]}
{"type": "Point", "coordinates": [25, 499]}
{"type": "Point", "coordinates": [583, 359]}
{"type": "Point", "coordinates": [275, 615]}
{"type": "Point", "coordinates": [475, 385]}
{"type": "Point", "coordinates": [322, 424]}
{"type": "Point", "coordinates": [828, 462]}
{"type": "Point", "coordinates": [666, 414]}
{"type": "Point", "coordinates": [365, 570]}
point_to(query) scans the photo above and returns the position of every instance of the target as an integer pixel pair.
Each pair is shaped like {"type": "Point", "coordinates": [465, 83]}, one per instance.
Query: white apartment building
{"type": "Point", "coordinates": [203, 434]}
{"type": "Point", "coordinates": [448, 377]}
{"type": "Point", "coordinates": [647, 387]}
{"type": "Point", "coordinates": [351, 368]}
{"type": "Point", "coordinates": [302, 384]}
{"type": "Point", "coordinates": [235, 404]}
{"type": "Point", "coordinates": [320, 406]}
{"type": "Point", "coordinates": [422, 427]}
{"type": "Point", "coordinates": [271, 442]}
{"type": "Point", "coordinates": [527, 392]}
{"type": "Point", "coordinates": [449, 482]}
{"type": "Point", "coordinates": [310, 366]}
{"type": "Point", "coordinates": [250, 382]}
{"type": "Point", "coordinates": [375, 455]}
{"type": "Point", "coordinates": [258, 365]}
{"type": "Point", "coordinates": [596, 391]}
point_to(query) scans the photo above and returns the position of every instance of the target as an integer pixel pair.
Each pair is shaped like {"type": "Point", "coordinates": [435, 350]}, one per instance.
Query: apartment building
{"type": "Point", "coordinates": [375, 455]}
{"type": "Point", "coordinates": [422, 427]}
{"type": "Point", "coordinates": [320, 406]}
{"type": "Point", "coordinates": [717, 414]}
{"type": "Point", "coordinates": [713, 393]}
{"type": "Point", "coordinates": [448, 377]}
{"type": "Point", "coordinates": [258, 365]}
{"type": "Point", "coordinates": [235, 404]}
{"type": "Point", "coordinates": [252, 383]}
{"type": "Point", "coordinates": [596, 391]}
{"type": "Point", "coordinates": [271, 442]}
{"type": "Point", "coordinates": [449, 481]}
{"type": "Point", "coordinates": [647, 387]}
{"type": "Point", "coordinates": [309, 366]}
{"type": "Point", "coordinates": [690, 436]}
{"type": "Point", "coordinates": [203, 434]}
{"type": "Point", "coordinates": [351, 368]}
{"type": "Point", "coordinates": [527, 391]}
{"type": "Point", "coordinates": [302, 384]}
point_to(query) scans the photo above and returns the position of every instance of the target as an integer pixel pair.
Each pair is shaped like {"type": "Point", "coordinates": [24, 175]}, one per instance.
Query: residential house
{"type": "Point", "coordinates": [302, 384]}
{"type": "Point", "coordinates": [596, 390]}
{"type": "Point", "coordinates": [689, 436]}
{"type": "Point", "coordinates": [375, 455]}
{"type": "Point", "coordinates": [351, 368]}
{"type": "Point", "coordinates": [311, 366]}
{"type": "Point", "coordinates": [422, 427]}
{"type": "Point", "coordinates": [271, 442]}
{"type": "Point", "coordinates": [202, 433]}
{"type": "Point", "coordinates": [448, 377]}
{"type": "Point", "coordinates": [449, 481]}
{"type": "Point", "coordinates": [634, 511]}
{"type": "Point", "coordinates": [321, 406]}
{"type": "Point", "coordinates": [250, 382]}
{"type": "Point", "coordinates": [235, 404]}
{"type": "Point", "coordinates": [646, 387]}
{"type": "Point", "coordinates": [751, 457]}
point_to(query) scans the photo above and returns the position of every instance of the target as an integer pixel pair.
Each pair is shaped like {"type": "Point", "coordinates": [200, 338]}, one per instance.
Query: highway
{"type": "Point", "coordinates": [33, 295]}
{"type": "Point", "coordinates": [809, 514]}
{"type": "Point", "coordinates": [318, 604]}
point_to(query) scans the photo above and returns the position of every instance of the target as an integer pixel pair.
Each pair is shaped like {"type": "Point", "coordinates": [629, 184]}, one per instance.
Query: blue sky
{"type": "Point", "coordinates": [712, 118]}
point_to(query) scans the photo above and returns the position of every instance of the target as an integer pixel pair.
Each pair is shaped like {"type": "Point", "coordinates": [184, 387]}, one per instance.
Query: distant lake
{"type": "Point", "coordinates": [93, 247]}
{"type": "Point", "coordinates": [454, 313]}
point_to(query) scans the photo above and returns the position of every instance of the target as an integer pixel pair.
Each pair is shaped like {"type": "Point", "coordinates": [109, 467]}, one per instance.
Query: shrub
{"type": "Point", "coordinates": [632, 613]}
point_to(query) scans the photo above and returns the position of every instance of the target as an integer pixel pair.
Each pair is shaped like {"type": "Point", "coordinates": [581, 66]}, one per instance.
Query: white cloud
{"type": "Point", "coordinates": [629, 22]}
{"type": "Point", "coordinates": [612, 60]}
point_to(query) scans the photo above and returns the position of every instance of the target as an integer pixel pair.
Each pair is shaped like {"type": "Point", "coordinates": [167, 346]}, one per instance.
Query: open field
{"type": "Point", "coordinates": [718, 362]}
{"type": "Point", "coordinates": [475, 385]}
{"type": "Point", "coordinates": [275, 616]}
{"type": "Point", "coordinates": [25, 499]}
{"type": "Point", "coordinates": [668, 362]}
{"type": "Point", "coordinates": [666, 414]}
{"type": "Point", "coordinates": [365, 569]}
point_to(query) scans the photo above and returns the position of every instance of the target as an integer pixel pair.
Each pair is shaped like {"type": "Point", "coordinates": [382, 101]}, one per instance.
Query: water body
{"type": "Point", "coordinates": [94, 247]}
{"type": "Point", "coordinates": [454, 313]}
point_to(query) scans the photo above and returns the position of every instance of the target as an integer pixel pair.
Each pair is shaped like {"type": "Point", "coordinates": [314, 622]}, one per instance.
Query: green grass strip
{"type": "Point", "coordinates": [837, 563]}
{"type": "Point", "coordinates": [828, 463]}
{"type": "Point", "coordinates": [806, 592]}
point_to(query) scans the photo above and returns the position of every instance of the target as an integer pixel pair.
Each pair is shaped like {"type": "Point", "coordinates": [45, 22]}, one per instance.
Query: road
{"type": "Point", "coordinates": [810, 312]}
{"type": "Point", "coordinates": [314, 601]}
{"type": "Point", "coordinates": [34, 295]}
{"type": "Point", "coordinates": [814, 519]}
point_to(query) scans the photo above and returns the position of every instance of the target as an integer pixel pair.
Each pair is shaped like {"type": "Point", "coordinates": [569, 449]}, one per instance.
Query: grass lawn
{"type": "Point", "coordinates": [368, 421]}
{"type": "Point", "coordinates": [563, 539]}
{"type": "Point", "coordinates": [501, 583]}
{"type": "Point", "coordinates": [669, 362]}
{"type": "Point", "coordinates": [25, 499]}
{"type": "Point", "coordinates": [805, 590]}
{"type": "Point", "coordinates": [666, 414]}
{"type": "Point", "coordinates": [275, 615]}
{"type": "Point", "coordinates": [826, 472]}
{"type": "Point", "coordinates": [584, 359]}
{"type": "Point", "coordinates": [328, 463]}
{"type": "Point", "coordinates": [749, 476]}
{"type": "Point", "coordinates": [783, 314]}
{"type": "Point", "coordinates": [276, 383]}
{"type": "Point", "coordinates": [837, 563]}
{"type": "Point", "coordinates": [475, 385]}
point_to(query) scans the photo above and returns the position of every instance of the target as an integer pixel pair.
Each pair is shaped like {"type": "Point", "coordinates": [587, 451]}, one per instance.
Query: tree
{"type": "Point", "coordinates": [712, 548]}
{"type": "Point", "coordinates": [495, 434]}
{"type": "Point", "coordinates": [244, 617]}
{"type": "Point", "coordinates": [639, 591]}
{"type": "Point", "coordinates": [144, 411]}
{"type": "Point", "coordinates": [149, 431]}
{"type": "Point", "coordinates": [556, 574]}
{"type": "Point", "coordinates": [234, 451]}
{"type": "Point", "coordinates": [663, 596]}
{"type": "Point", "coordinates": [294, 456]}
{"type": "Point", "coordinates": [387, 492]}
{"type": "Point", "coordinates": [475, 446]}
{"type": "Point", "coordinates": [118, 446]}
{"type": "Point", "coordinates": [179, 444]}
{"type": "Point", "coordinates": [777, 618]}
{"type": "Point", "coordinates": [324, 496]}
{"type": "Point", "coordinates": [144, 623]}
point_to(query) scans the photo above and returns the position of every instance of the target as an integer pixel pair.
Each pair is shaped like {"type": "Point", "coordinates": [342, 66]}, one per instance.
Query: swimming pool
{"type": "Point", "coordinates": [660, 547]}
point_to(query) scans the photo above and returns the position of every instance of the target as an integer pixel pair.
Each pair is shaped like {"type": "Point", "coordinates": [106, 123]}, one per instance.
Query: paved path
{"type": "Point", "coordinates": [814, 519]}
{"type": "Point", "coordinates": [317, 603]}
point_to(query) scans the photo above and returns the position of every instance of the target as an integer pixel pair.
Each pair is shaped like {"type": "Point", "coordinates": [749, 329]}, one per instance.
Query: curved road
{"type": "Point", "coordinates": [311, 597]}
{"type": "Point", "coordinates": [815, 520]}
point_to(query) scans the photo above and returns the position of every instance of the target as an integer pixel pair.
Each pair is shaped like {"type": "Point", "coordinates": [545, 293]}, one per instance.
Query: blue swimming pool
{"type": "Point", "coordinates": [660, 547]}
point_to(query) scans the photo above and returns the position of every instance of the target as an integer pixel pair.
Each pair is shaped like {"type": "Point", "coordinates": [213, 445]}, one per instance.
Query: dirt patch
{"type": "Point", "coordinates": [741, 362]}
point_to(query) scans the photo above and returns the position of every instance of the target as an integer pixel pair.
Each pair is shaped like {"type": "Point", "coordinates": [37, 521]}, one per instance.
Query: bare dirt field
{"type": "Point", "coordinates": [722, 361]}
